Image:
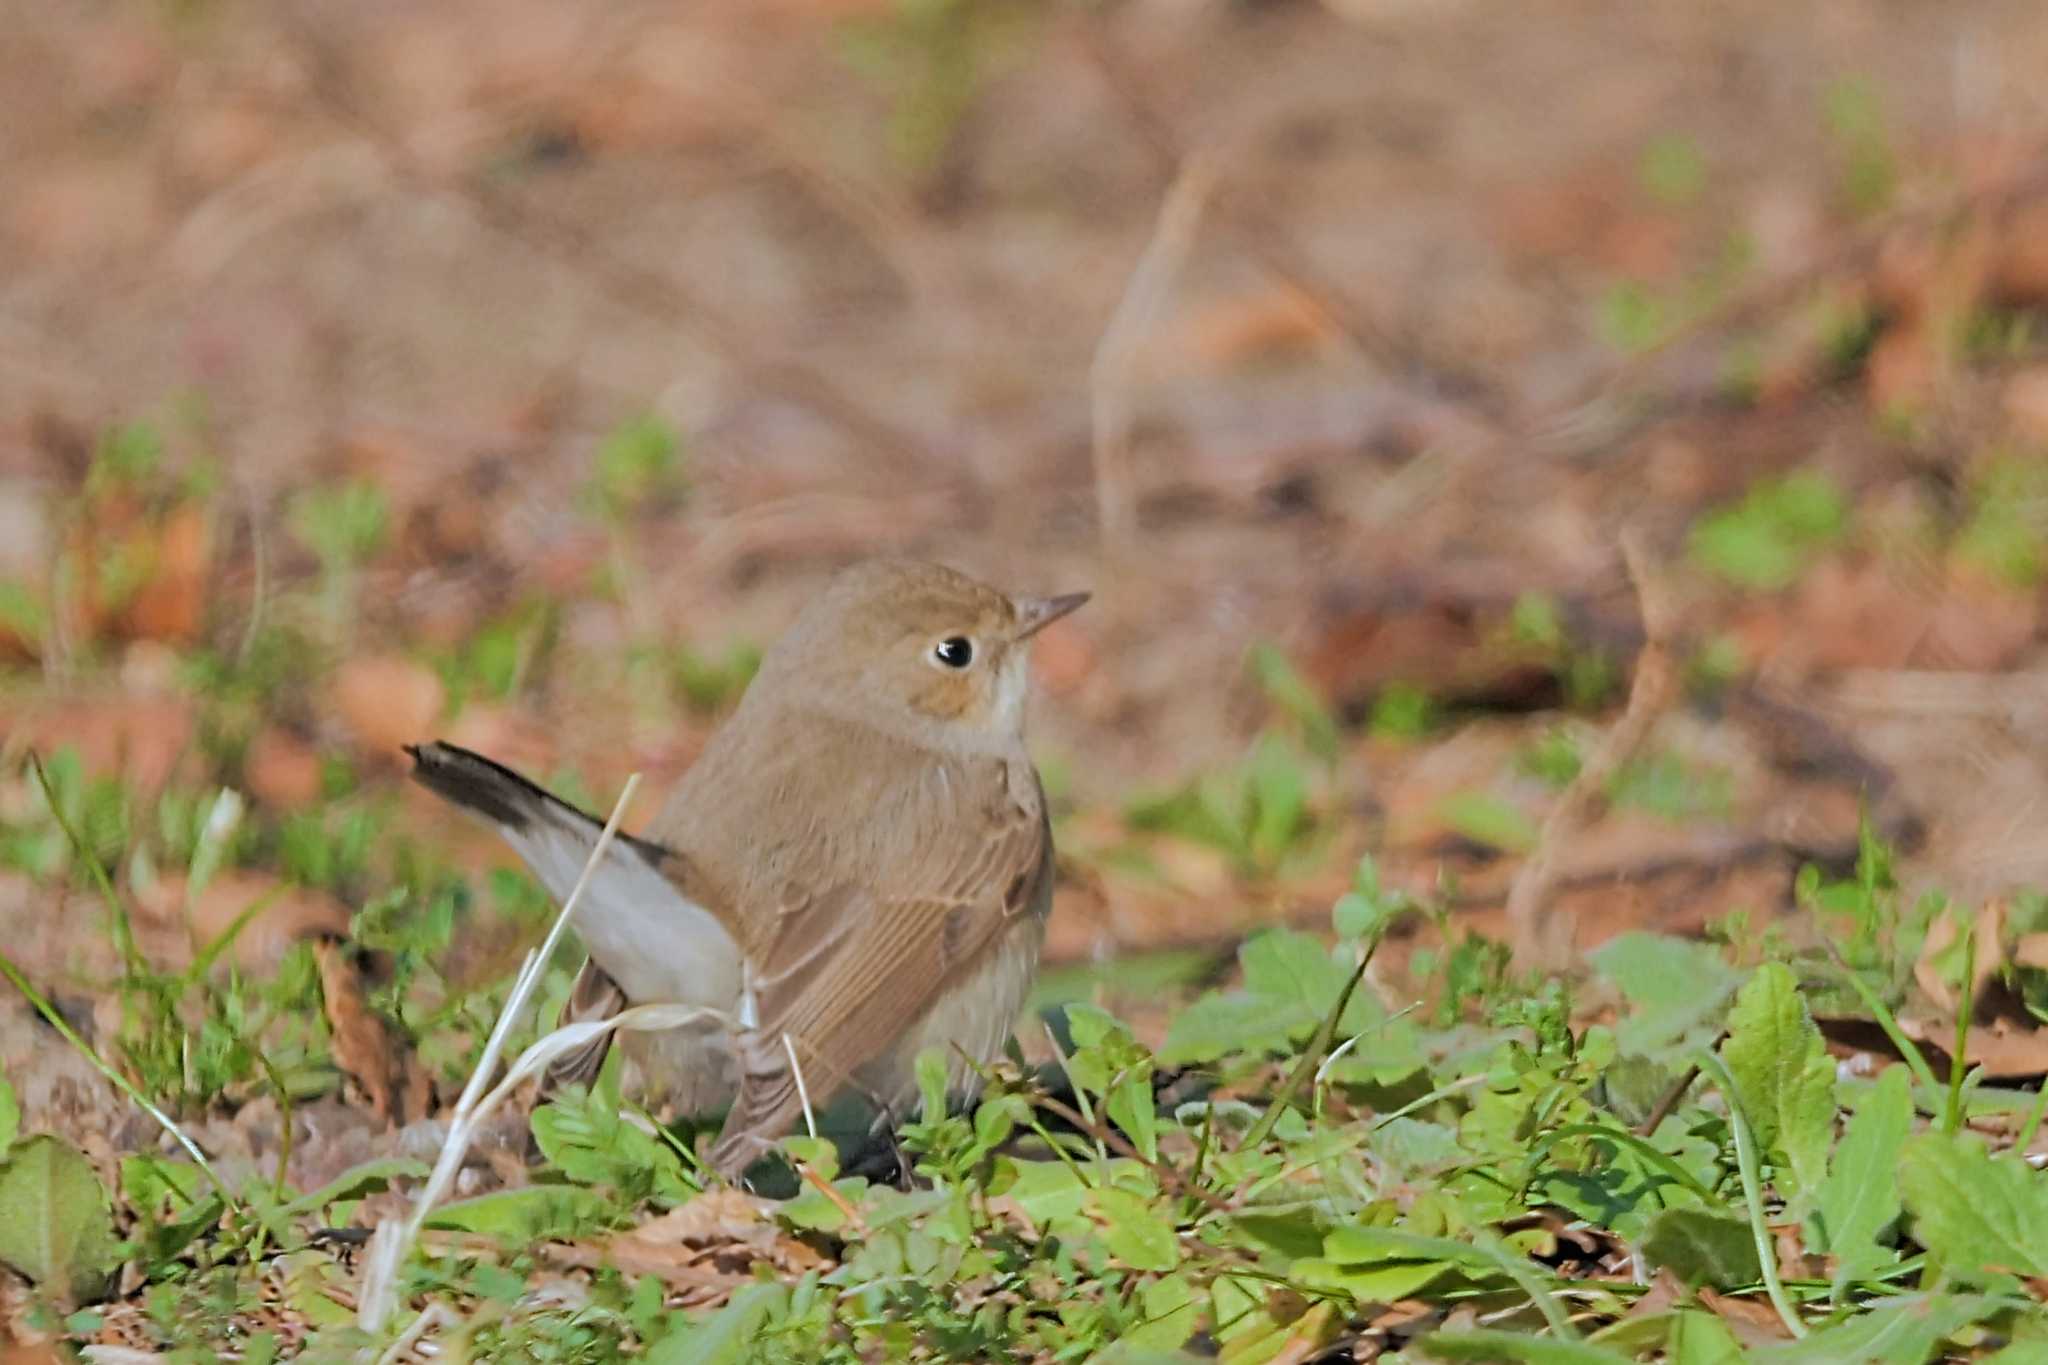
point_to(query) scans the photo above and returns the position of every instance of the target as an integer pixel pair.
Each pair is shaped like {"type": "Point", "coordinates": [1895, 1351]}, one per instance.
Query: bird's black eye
{"type": "Point", "coordinates": [955, 651]}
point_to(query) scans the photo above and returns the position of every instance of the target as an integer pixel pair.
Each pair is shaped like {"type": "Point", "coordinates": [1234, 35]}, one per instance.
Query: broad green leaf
{"type": "Point", "coordinates": [2020, 1353]}
{"type": "Point", "coordinates": [1169, 1307]}
{"type": "Point", "coordinates": [1135, 1230]}
{"type": "Point", "coordinates": [1906, 1331]}
{"type": "Point", "coordinates": [526, 1214]}
{"type": "Point", "coordinates": [1699, 1338]}
{"type": "Point", "coordinates": [369, 1178]}
{"type": "Point", "coordinates": [1284, 964]}
{"type": "Point", "coordinates": [1381, 1282]}
{"type": "Point", "coordinates": [10, 1116]}
{"type": "Point", "coordinates": [1411, 1146]}
{"type": "Point", "coordinates": [1975, 1212]}
{"type": "Point", "coordinates": [1049, 1194]}
{"type": "Point", "coordinates": [1515, 1347]}
{"type": "Point", "coordinates": [150, 1180]}
{"type": "Point", "coordinates": [1676, 986]}
{"type": "Point", "coordinates": [1784, 1076]}
{"type": "Point", "coordinates": [590, 1142]}
{"type": "Point", "coordinates": [1701, 1246]}
{"type": "Point", "coordinates": [56, 1222]}
{"type": "Point", "coordinates": [1860, 1198]}
{"type": "Point", "coordinates": [730, 1336]}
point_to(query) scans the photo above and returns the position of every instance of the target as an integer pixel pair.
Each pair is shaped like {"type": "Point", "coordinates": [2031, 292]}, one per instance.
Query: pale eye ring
{"type": "Point", "coordinates": [955, 651]}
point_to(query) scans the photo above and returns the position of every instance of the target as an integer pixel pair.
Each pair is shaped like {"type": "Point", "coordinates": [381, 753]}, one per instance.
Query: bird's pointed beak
{"type": "Point", "coordinates": [1036, 613]}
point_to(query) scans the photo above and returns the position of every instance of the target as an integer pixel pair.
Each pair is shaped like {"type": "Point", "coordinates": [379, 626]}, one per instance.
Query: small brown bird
{"type": "Point", "coordinates": [856, 869]}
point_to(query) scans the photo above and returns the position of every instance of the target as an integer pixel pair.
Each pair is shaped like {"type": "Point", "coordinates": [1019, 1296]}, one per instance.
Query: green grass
{"type": "Point", "coordinates": [1299, 1153]}
{"type": "Point", "coordinates": [1274, 1147]}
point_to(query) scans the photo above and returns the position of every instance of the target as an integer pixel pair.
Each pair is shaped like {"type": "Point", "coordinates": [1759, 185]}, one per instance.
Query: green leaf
{"type": "Point", "coordinates": [1785, 1078]}
{"type": "Point", "coordinates": [1052, 1196]}
{"type": "Point", "coordinates": [10, 1116]}
{"type": "Point", "coordinates": [731, 1336]}
{"type": "Point", "coordinates": [1288, 966]}
{"type": "Point", "coordinates": [587, 1140]}
{"type": "Point", "coordinates": [371, 1177]}
{"type": "Point", "coordinates": [1675, 984]}
{"type": "Point", "coordinates": [1488, 820]}
{"type": "Point", "coordinates": [1383, 1282]}
{"type": "Point", "coordinates": [524, 1215]}
{"type": "Point", "coordinates": [1702, 1246]}
{"type": "Point", "coordinates": [1514, 1346]}
{"type": "Point", "coordinates": [1218, 1024]}
{"type": "Point", "coordinates": [1292, 693]}
{"type": "Point", "coordinates": [1860, 1199]}
{"type": "Point", "coordinates": [1699, 1338]}
{"type": "Point", "coordinates": [1977, 1213]}
{"type": "Point", "coordinates": [1169, 1308]}
{"type": "Point", "coordinates": [56, 1222]}
{"type": "Point", "coordinates": [1135, 1231]}
{"type": "Point", "coordinates": [1766, 540]}
{"type": "Point", "coordinates": [1906, 1331]}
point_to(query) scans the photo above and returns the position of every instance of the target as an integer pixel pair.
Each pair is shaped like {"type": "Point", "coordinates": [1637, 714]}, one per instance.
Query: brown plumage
{"type": "Point", "coordinates": [858, 867]}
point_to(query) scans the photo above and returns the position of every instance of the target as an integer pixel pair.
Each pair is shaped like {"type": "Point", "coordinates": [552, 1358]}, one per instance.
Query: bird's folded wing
{"type": "Point", "coordinates": [849, 972]}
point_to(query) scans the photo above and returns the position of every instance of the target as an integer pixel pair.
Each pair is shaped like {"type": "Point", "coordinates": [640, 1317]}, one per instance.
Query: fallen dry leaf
{"type": "Point", "coordinates": [2026, 403]}
{"type": "Point", "coordinates": [1941, 936]}
{"type": "Point", "coordinates": [139, 738]}
{"type": "Point", "coordinates": [363, 1048]}
{"type": "Point", "coordinates": [1062, 658]}
{"type": "Point", "coordinates": [2031, 950]}
{"type": "Point", "coordinates": [388, 701]}
{"type": "Point", "coordinates": [2019, 265]}
{"type": "Point", "coordinates": [1901, 375]}
{"type": "Point", "coordinates": [171, 604]}
{"type": "Point", "coordinates": [1980, 623]}
{"type": "Point", "coordinates": [512, 736]}
{"type": "Point", "coordinates": [282, 770]}
{"type": "Point", "coordinates": [287, 914]}
{"type": "Point", "coordinates": [717, 1216]}
{"type": "Point", "coordinates": [2004, 1049]}
{"type": "Point", "coordinates": [1753, 1322]}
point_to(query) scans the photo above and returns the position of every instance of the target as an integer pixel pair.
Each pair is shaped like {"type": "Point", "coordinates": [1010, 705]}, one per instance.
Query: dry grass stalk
{"type": "Point", "coordinates": [1537, 940]}
{"type": "Point", "coordinates": [379, 1296]}
{"type": "Point", "coordinates": [1112, 375]}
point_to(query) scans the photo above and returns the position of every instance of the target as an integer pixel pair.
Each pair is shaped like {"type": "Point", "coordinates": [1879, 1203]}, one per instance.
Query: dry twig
{"type": "Point", "coordinates": [1111, 376]}
{"type": "Point", "coordinates": [1536, 941]}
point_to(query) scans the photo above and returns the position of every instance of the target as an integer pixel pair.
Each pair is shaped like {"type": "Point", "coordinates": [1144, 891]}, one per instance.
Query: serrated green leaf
{"type": "Point", "coordinates": [1702, 1246]}
{"type": "Point", "coordinates": [1135, 1231]}
{"type": "Point", "coordinates": [1218, 1025]}
{"type": "Point", "coordinates": [1676, 986]}
{"type": "Point", "coordinates": [1860, 1199]}
{"type": "Point", "coordinates": [1785, 1078]}
{"type": "Point", "coordinates": [1052, 1196]}
{"type": "Point", "coordinates": [1514, 1346]}
{"type": "Point", "coordinates": [1977, 1213]}
{"type": "Point", "coordinates": [56, 1222]}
